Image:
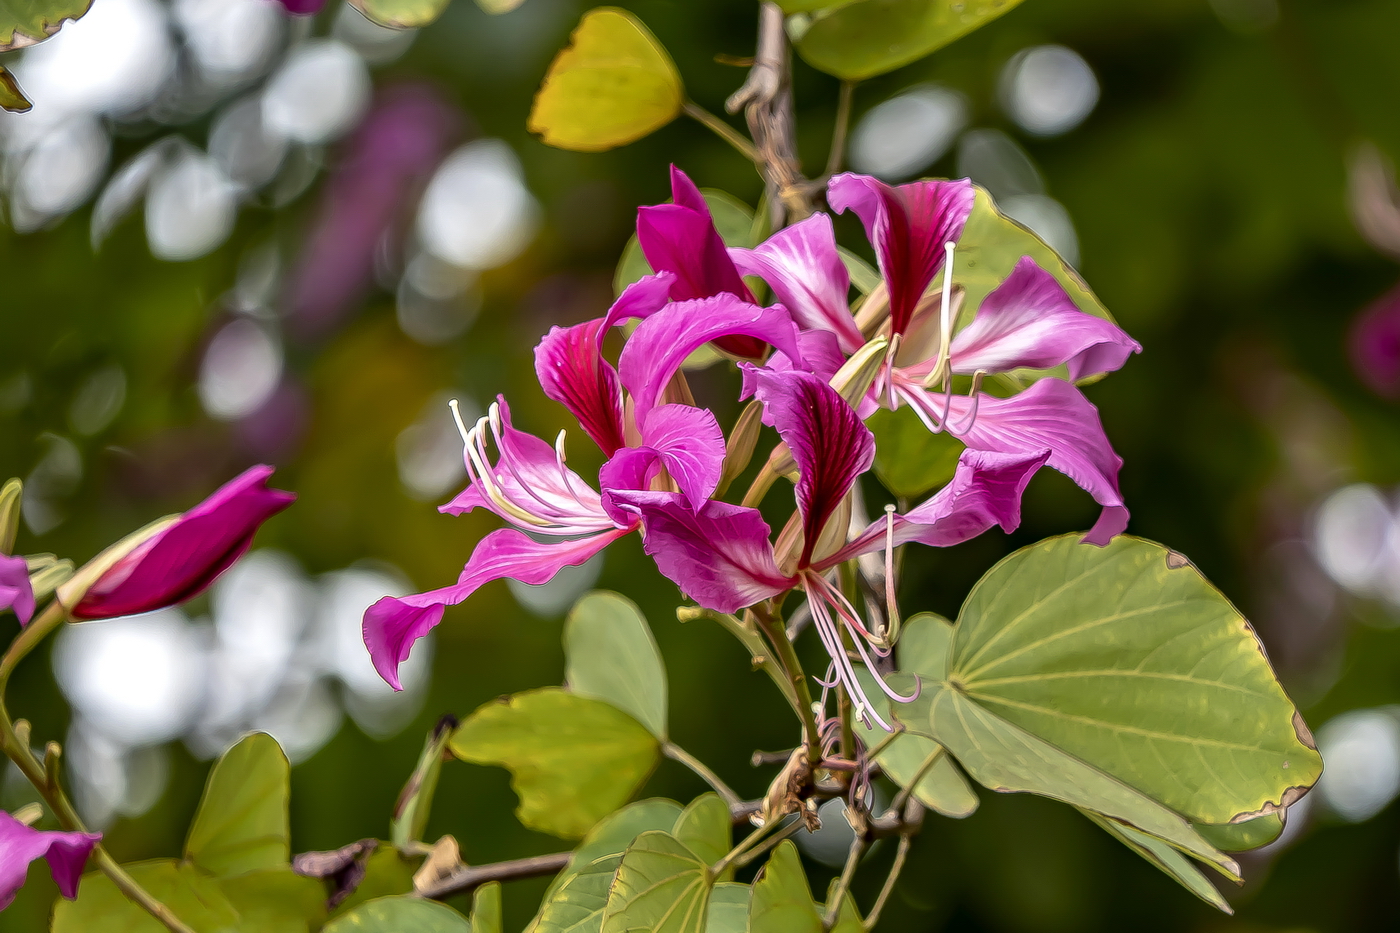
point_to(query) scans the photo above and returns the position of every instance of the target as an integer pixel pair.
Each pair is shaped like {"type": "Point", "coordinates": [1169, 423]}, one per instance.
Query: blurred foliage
{"type": "Point", "coordinates": [1207, 190]}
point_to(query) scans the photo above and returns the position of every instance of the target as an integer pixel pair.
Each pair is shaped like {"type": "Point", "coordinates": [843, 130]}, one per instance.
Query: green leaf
{"type": "Point", "coordinates": [1164, 857]}
{"type": "Point", "coordinates": [704, 828]}
{"type": "Point", "coordinates": [1241, 837]}
{"type": "Point", "coordinates": [25, 22]}
{"type": "Point", "coordinates": [402, 14]}
{"type": "Point", "coordinates": [781, 901]}
{"type": "Point", "coordinates": [387, 872]}
{"type": "Point", "coordinates": [573, 760]}
{"type": "Point", "coordinates": [486, 908]}
{"type": "Point", "coordinates": [734, 222]}
{"type": "Point", "coordinates": [729, 908]}
{"type": "Point", "coordinates": [241, 824]}
{"type": "Point", "coordinates": [860, 40]}
{"type": "Point", "coordinates": [615, 832]}
{"type": "Point", "coordinates": [864, 276]}
{"type": "Point", "coordinates": [613, 85]}
{"type": "Point", "coordinates": [577, 905]}
{"type": "Point", "coordinates": [415, 801]}
{"type": "Point", "coordinates": [194, 896]}
{"type": "Point", "coordinates": [911, 460]}
{"type": "Point", "coordinates": [661, 887]}
{"type": "Point", "coordinates": [848, 917]}
{"type": "Point", "coordinates": [401, 914]}
{"type": "Point", "coordinates": [1008, 759]}
{"type": "Point", "coordinates": [277, 900]}
{"type": "Point", "coordinates": [497, 7]}
{"type": "Point", "coordinates": [1127, 658]}
{"type": "Point", "coordinates": [611, 656]}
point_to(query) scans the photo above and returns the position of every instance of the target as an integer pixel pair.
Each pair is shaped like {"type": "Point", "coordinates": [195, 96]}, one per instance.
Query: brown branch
{"type": "Point", "coordinates": [469, 878]}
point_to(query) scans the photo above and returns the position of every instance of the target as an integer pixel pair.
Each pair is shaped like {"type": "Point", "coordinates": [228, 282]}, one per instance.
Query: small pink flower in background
{"type": "Point", "coordinates": [1374, 345]}
{"type": "Point", "coordinates": [66, 853]}
{"type": "Point", "coordinates": [303, 7]}
{"type": "Point", "coordinates": [181, 560]}
{"type": "Point", "coordinates": [15, 592]}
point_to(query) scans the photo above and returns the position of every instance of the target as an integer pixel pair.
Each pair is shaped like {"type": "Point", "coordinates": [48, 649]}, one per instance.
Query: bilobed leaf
{"type": "Point", "coordinates": [911, 460]}
{"type": "Point", "coordinates": [704, 828]}
{"type": "Point", "coordinates": [577, 905]}
{"type": "Point", "coordinates": [241, 824]}
{"type": "Point", "coordinates": [402, 14]}
{"type": "Point", "coordinates": [781, 900]}
{"type": "Point", "coordinates": [868, 38]}
{"type": "Point", "coordinates": [400, 914]}
{"type": "Point", "coordinates": [610, 655]}
{"type": "Point", "coordinates": [1127, 658]}
{"type": "Point", "coordinates": [1241, 837]}
{"type": "Point", "coordinates": [614, 833]}
{"type": "Point", "coordinates": [613, 85]}
{"type": "Point", "coordinates": [193, 895]}
{"type": "Point", "coordinates": [415, 801]}
{"type": "Point", "coordinates": [729, 908]}
{"type": "Point", "coordinates": [25, 22]}
{"type": "Point", "coordinates": [276, 900]}
{"type": "Point", "coordinates": [734, 222]}
{"type": "Point", "coordinates": [486, 908]}
{"type": "Point", "coordinates": [1168, 859]}
{"type": "Point", "coordinates": [573, 760]}
{"type": "Point", "coordinates": [661, 887]}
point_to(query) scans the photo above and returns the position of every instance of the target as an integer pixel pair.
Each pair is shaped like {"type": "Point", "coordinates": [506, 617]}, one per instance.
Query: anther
{"type": "Point", "coordinates": [457, 417]}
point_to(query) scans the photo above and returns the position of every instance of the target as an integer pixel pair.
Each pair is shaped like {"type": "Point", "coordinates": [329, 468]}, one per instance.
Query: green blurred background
{"type": "Point", "coordinates": [1207, 192]}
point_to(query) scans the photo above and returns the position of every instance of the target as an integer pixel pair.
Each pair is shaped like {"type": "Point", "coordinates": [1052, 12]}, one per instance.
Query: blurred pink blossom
{"type": "Point", "coordinates": [1374, 345]}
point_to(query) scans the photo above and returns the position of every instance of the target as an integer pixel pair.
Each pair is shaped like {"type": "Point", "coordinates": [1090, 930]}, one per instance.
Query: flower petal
{"type": "Point", "coordinates": [1029, 321]}
{"type": "Point", "coordinates": [687, 441]}
{"type": "Point", "coordinates": [985, 491]}
{"type": "Point", "coordinates": [570, 366]}
{"type": "Point", "coordinates": [67, 854]}
{"type": "Point", "coordinates": [1050, 414]}
{"type": "Point", "coordinates": [719, 556]}
{"type": "Point", "coordinates": [181, 561]}
{"type": "Point", "coordinates": [393, 624]}
{"type": "Point", "coordinates": [641, 299]}
{"type": "Point", "coordinates": [660, 344]}
{"type": "Point", "coordinates": [15, 591]}
{"type": "Point", "coordinates": [800, 263]}
{"type": "Point", "coordinates": [826, 438]}
{"type": "Point", "coordinates": [908, 226]}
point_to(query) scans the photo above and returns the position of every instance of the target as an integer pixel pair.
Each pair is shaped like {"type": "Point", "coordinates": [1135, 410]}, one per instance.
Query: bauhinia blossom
{"type": "Point", "coordinates": [66, 853]}
{"type": "Point", "coordinates": [1027, 322]}
{"type": "Point", "coordinates": [15, 592]}
{"type": "Point", "coordinates": [648, 438]}
{"type": "Point", "coordinates": [721, 556]}
{"type": "Point", "coordinates": [181, 560]}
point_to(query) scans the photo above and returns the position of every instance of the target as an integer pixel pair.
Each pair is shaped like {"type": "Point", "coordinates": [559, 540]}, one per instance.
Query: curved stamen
{"type": "Point", "coordinates": [892, 620]}
{"type": "Point", "coordinates": [942, 365]}
{"type": "Point", "coordinates": [976, 397]}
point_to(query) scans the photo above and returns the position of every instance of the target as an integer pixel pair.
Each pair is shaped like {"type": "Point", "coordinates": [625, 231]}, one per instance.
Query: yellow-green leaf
{"type": "Point", "coordinates": [613, 85]}
{"type": "Point", "coordinates": [704, 828]}
{"type": "Point", "coordinates": [400, 914]}
{"type": "Point", "coordinates": [25, 22]}
{"type": "Point", "coordinates": [497, 7]}
{"type": "Point", "coordinates": [781, 900]}
{"type": "Point", "coordinates": [911, 460]}
{"type": "Point", "coordinates": [661, 887]}
{"type": "Point", "coordinates": [1168, 859]}
{"type": "Point", "coordinates": [486, 908]}
{"type": "Point", "coordinates": [12, 99]}
{"type": "Point", "coordinates": [241, 824]}
{"type": "Point", "coordinates": [402, 14]}
{"type": "Point", "coordinates": [611, 655]}
{"type": "Point", "coordinates": [573, 760]}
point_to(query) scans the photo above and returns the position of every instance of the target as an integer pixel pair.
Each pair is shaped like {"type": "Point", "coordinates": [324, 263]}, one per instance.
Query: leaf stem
{"type": "Point", "coordinates": [468, 878]}
{"type": "Point", "coordinates": [906, 841]}
{"type": "Point", "coordinates": [838, 893]}
{"type": "Point", "coordinates": [787, 657]}
{"type": "Point", "coordinates": [674, 752]}
{"type": "Point", "coordinates": [841, 130]}
{"type": "Point", "coordinates": [789, 830]}
{"type": "Point", "coordinates": [721, 129]}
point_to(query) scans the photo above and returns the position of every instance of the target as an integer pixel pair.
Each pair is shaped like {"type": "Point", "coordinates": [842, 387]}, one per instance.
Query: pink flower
{"type": "Point", "coordinates": [303, 7]}
{"type": "Point", "coordinates": [1374, 345]}
{"type": "Point", "coordinates": [181, 560]}
{"type": "Point", "coordinates": [15, 591]}
{"type": "Point", "coordinates": [67, 853]}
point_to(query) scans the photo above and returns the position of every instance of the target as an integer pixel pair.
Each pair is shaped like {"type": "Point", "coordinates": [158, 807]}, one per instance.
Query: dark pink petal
{"type": "Point", "coordinates": [800, 263]}
{"type": "Point", "coordinates": [719, 556]}
{"type": "Point", "coordinates": [1050, 414]}
{"type": "Point", "coordinates": [303, 7]}
{"type": "Point", "coordinates": [67, 853]}
{"type": "Point", "coordinates": [641, 299]}
{"type": "Point", "coordinates": [908, 226]}
{"type": "Point", "coordinates": [393, 624]}
{"type": "Point", "coordinates": [1374, 345]}
{"type": "Point", "coordinates": [826, 438]}
{"type": "Point", "coordinates": [685, 193]}
{"type": "Point", "coordinates": [179, 562]}
{"type": "Point", "coordinates": [685, 440]}
{"type": "Point", "coordinates": [985, 491]}
{"type": "Point", "coordinates": [1029, 321]}
{"type": "Point", "coordinates": [660, 344]}
{"type": "Point", "coordinates": [570, 366]}
{"type": "Point", "coordinates": [15, 592]}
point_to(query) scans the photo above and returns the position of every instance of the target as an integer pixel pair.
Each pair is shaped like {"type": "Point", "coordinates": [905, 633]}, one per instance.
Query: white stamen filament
{"type": "Point", "coordinates": [892, 621]}
{"type": "Point", "coordinates": [457, 417]}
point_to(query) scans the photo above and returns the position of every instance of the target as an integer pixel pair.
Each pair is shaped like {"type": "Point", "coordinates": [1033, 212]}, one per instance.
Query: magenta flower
{"type": "Point", "coordinates": [1027, 322]}
{"type": "Point", "coordinates": [181, 560]}
{"type": "Point", "coordinates": [66, 853]}
{"type": "Point", "coordinates": [15, 591]}
{"type": "Point", "coordinates": [720, 554]}
{"type": "Point", "coordinates": [653, 440]}
{"type": "Point", "coordinates": [680, 238]}
{"type": "Point", "coordinates": [303, 7]}
{"type": "Point", "coordinates": [1374, 345]}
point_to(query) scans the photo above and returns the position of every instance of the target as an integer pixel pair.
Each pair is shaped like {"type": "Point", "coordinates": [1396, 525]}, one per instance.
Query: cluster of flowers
{"type": "Point", "coordinates": [818, 370]}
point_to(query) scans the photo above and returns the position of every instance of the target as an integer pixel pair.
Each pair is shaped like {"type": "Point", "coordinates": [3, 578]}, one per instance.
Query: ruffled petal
{"type": "Point", "coordinates": [393, 624]}
{"type": "Point", "coordinates": [570, 366]}
{"type": "Point", "coordinates": [826, 438]}
{"type": "Point", "coordinates": [661, 343]}
{"type": "Point", "coordinates": [719, 556]}
{"type": "Point", "coordinates": [641, 299]}
{"type": "Point", "coordinates": [685, 440]}
{"type": "Point", "coordinates": [1029, 321]}
{"type": "Point", "coordinates": [908, 226]}
{"type": "Point", "coordinates": [800, 263]}
{"type": "Point", "coordinates": [67, 854]}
